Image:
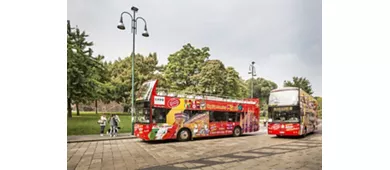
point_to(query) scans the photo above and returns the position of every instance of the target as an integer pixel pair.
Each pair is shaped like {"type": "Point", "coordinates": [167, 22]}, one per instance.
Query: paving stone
{"type": "Point", "coordinates": [246, 152]}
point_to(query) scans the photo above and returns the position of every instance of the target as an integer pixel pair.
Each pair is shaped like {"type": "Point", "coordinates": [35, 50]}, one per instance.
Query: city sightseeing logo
{"type": "Point", "coordinates": [276, 126]}
{"type": "Point", "coordinates": [173, 102]}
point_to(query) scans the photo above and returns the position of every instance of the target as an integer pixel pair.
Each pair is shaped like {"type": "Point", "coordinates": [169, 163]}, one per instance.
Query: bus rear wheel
{"type": "Point", "coordinates": [237, 131]}
{"type": "Point", "coordinates": [304, 132]}
{"type": "Point", "coordinates": [184, 135]}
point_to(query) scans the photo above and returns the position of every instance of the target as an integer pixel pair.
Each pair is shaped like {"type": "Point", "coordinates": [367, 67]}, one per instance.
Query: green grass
{"type": "Point", "coordinates": [86, 123]}
{"type": "Point", "coordinates": [262, 118]}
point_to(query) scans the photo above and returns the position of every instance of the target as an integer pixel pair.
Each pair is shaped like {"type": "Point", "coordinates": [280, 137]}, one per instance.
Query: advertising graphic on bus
{"type": "Point", "coordinates": [160, 117]}
{"type": "Point", "coordinates": [292, 112]}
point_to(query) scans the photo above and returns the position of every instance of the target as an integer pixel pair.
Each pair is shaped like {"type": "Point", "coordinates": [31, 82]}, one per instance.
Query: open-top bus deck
{"type": "Point", "coordinates": [161, 116]}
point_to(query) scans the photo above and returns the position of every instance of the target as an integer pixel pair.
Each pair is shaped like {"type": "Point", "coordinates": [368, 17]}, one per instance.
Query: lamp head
{"type": "Point", "coordinates": [121, 26]}
{"type": "Point", "coordinates": [145, 33]}
{"type": "Point", "coordinates": [134, 8]}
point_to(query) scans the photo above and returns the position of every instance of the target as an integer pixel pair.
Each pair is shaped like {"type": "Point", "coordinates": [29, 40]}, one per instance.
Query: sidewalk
{"type": "Point", "coordinates": [97, 137]}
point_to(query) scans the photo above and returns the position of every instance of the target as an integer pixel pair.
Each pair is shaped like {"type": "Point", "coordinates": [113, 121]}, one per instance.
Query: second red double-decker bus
{"type": "Point", "coordinates": [292, 112]}
{"type": "Point", "coordinates": [160, 116]}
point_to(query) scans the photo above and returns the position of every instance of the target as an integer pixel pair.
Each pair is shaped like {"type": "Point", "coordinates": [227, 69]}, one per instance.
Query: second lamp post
{"type": "Point", "coordinates": [252, 72]}
{"type": "Point", "coordinates": [121, 26]}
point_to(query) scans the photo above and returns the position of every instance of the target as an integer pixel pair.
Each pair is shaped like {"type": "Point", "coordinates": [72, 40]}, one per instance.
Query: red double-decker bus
{"type": "Point", "coordinates": [292, 112]}
{"type": "Point", "coordinates": [169, 116]}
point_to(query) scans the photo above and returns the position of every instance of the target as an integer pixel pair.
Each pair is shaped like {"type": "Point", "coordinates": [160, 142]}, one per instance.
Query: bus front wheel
{"type": "Point", "coordinates": [237, 131]}
{"type": "Point", "coordinates": [184, 135]}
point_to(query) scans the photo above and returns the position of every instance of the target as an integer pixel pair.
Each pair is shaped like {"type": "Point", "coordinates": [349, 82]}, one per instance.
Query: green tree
{"type": "Point", "coordinates": [243, 88]}
{"type": "Point", "coordinates": [81, 66]}
{"type": "Point", "coordinates": [261, 88]}
{"type": "Point", "coordinates": [120, 72]}
{"type": "Point", "coordinates": [100, 83]}
{"type": "Point", "coordinates": [212, 78]}
{"type": "Point", "coordinates": [233, 86]}
{"type": "Point", "coordinates": [184, 66]}
{"type": "Point", "coordinates": [300, 82]}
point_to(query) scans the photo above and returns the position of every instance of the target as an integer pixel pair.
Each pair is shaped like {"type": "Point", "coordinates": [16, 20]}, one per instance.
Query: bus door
{"type": "Point", "coordinates": [231, 119]}
{"type": "Point", "coordinates": [214, 124]}
{"type": "Point", "coordinates": [222, 119]}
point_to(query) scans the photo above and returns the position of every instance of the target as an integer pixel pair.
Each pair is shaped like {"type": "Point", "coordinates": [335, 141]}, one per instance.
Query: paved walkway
{"type": "Point", "coordinates": [257, 151]}
{"type": "Point", "coordinates": [97, 137]}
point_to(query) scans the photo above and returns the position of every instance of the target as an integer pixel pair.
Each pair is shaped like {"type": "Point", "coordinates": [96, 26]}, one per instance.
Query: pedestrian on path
{"type": "Point", "coordinates": [118, 120]}
{"type": "Point", "coordinates": [102, 121]}
{"type": "Point", "coordinates": [118, 123]}
{"type": "Point", "coordinates": [114, 124]}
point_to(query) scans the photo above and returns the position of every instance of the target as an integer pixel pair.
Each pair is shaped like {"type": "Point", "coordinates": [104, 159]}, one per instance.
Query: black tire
{"type": "Point", "coordinates": [314, 129]}
{"type": "Point", "coordinates": [304, 132]}
{"type": "Point", "coordinates": [237, 131]}
{"type": "Point", "coordinates": [184, 135]}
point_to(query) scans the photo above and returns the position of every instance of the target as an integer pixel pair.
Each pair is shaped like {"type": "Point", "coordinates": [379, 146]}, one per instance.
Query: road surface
{"type": "Point", "coordinates": [255, 151]}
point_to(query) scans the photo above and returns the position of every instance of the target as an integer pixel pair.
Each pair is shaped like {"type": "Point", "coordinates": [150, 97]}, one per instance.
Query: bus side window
{"type": "Point", "coordinates": [196, 112]}
{"type": "Point", "coordinates": [220, 116]}
{"type": "Point", "coordinates": [212, 118]}
{"type": "Point", "coordinates": [231, 116]}
{"type": "Point", "coordinates": [188, 114]}
{"type": "Point", "coordinates": [217, 116]}
{"type": "Point", "coordinates": [159, 115]}
{"type": "Point", "coordinates": [238, 118]}
{"type": "Point", "coordinates": [226, 117]}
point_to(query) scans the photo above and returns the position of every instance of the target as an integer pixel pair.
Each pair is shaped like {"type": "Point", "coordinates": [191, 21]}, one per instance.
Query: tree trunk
{"type": "Point", "coordinates": [77, 109]}
{"type": "Point", "coordinates": [96, 109]}
{"type": "Point", "coordinates": [125, 109]}
{"type": "Point", "coordinates": [69, 108]}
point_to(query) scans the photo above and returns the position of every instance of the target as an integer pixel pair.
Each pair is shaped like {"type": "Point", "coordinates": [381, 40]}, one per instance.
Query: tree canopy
{"type": "Point", "coordinates": [300, 82]}
{"type": "Point", "coordinates": [84, 76]}
{"type": "Point", "coordinates": [120, 74]}
{"type": "Point", "coordinates": [184, 66]}
{"type": "Point", "coordinates": [189, 70]}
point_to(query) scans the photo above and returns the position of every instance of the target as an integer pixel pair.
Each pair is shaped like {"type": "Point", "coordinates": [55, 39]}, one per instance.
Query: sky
{"type": "Point", "coordinates": [283, 38]}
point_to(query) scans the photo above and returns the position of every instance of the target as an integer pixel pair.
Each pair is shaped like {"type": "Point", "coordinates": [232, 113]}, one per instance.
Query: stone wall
{"type": "Point", "coordinates": [102, 107]}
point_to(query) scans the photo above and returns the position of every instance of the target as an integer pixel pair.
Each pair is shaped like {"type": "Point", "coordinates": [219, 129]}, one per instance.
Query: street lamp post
{"type": "Point", "coordinates": [252, 72]}
{"type": "Point", "coordinates": [121, 26]}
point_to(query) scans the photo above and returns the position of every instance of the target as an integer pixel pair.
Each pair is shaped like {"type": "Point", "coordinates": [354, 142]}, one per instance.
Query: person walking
{"type": "Point", "coordinates": [117, 118]}
{"type": "Point", "coordinates": [102, 122]}
{"type": "Point", "coordinates": [114, 124]}
{"type": "Point", "coordinates": [118, 121]}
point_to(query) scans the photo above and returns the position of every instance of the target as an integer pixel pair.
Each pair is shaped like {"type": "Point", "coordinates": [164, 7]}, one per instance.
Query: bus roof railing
{"type": "Point", "coordinates": [164, 92]}
{"type": "Point", "coordinates": [285, 88]}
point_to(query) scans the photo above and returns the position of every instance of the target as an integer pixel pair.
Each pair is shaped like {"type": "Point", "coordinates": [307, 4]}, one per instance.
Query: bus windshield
{"type": "Point", "coordinates": [287, 116]}
{"type": "Point", "coordinates": [142, 112]}
{"type": "Point", "coordinates": [284, 98]}
{"type": "Point", "coordinates": [145, 91]}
